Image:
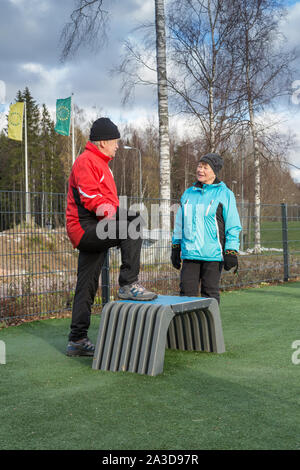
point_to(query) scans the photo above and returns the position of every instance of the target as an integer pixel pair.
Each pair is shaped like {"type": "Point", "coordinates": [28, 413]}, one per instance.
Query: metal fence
{"type": "Point", "coordinates": [38, 265]}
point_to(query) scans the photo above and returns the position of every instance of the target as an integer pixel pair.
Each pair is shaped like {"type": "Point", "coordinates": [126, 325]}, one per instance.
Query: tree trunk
{"type": "Point", "coordinates": [211, 119]}
{"type": "Point", "coordinates": [211, 84]}
{"type": "Point", "coordinates": [257, 201]}
{"type": "Point", "coordinates": [163, 117]}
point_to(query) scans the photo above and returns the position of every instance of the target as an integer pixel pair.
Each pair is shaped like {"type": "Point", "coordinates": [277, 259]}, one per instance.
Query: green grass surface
{"type": "Point", "coordinates": [246, 398]}
{"type": "Point", "coordinates": [271, 235]}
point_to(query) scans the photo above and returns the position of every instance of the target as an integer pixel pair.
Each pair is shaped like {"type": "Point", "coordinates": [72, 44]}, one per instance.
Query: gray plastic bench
{"type": "Point", "coordinates": [133, 335]}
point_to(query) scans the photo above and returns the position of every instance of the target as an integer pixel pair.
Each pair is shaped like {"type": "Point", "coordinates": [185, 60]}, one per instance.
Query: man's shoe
{"type": "Point", "coordinates": [83, 347]}
{"type": "Point", "coordinates": [135, 292]}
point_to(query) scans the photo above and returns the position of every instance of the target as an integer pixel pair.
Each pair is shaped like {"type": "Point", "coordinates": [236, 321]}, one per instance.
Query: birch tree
{"type": "Point", "coordinates": [163, 114]}
{"type": "Point", "coordinates": [203, 81]}
{"type": "Point", "coordinates": [264, 69]}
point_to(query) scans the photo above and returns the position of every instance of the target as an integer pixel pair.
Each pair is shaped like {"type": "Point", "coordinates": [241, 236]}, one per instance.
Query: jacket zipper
{"type": "Point", "coordinates": [209, 206]}
{"type": "Point", "coordinates": [185, 207]}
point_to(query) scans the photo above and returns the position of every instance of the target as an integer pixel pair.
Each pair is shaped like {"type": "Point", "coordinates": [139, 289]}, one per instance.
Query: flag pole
{"type": "Point", "coordinates": [73, 130]}
{"type": "Point", "coordinates": [27, 197]}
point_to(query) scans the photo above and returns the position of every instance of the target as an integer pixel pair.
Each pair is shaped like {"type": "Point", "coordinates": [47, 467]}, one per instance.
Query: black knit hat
{"type": "Point", "coordinates": [104, 129]}
{"type": "Point", "coordinates": [214, 160]}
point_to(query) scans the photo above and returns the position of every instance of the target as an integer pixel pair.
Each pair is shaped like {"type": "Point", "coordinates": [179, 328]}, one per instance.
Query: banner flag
{"type": "Point", "coordinates": [15, 121]}
{"type": "Point", "coordinates": [63, 116]}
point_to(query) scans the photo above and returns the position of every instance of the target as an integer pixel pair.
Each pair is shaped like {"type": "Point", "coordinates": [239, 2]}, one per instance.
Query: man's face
{"type": "Point", "coordinates": [205, 173]}
{"type": "Point", "coordinates": [109, 147]}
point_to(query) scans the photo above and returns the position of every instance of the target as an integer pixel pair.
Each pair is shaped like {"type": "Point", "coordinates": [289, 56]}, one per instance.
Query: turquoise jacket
{"type": "Point", "coordinates": [207, 222]}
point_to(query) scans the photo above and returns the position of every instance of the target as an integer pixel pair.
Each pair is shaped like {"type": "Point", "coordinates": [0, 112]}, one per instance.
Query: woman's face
{"type": "Point", "coordinates": [205, 174]}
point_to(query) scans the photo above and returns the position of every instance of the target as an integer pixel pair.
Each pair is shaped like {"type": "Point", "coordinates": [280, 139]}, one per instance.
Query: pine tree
{"type": "Point", "coordinates": [33, 122]}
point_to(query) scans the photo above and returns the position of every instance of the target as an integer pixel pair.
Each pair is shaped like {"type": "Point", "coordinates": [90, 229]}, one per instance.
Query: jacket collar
{"type": "Point", "coordinates": [92, 148]}
{"type": "Point", "coordinates": [198, 184]}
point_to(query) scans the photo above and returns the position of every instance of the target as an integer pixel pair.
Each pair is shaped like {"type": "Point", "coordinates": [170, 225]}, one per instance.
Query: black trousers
{"type": "Point", "coordinates": [206, 273]}
{"type": "Point", "coordinates": [92, 253]}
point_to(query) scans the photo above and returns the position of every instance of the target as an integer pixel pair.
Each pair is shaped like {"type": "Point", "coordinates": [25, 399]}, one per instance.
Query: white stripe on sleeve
{"type": "Point", "coordinates": [87, 195]}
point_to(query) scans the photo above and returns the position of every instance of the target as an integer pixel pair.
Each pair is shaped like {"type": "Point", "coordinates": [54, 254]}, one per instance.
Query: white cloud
{"type": "Point", "coordinates": [290, 25]}
{"type": "Point", "coordinates": [48, 80]}
{"type": "Point", "coordinates": [32, 5]}
{"type": "Point", "coordinates": [32, 59]}
{"type": "Point", "coordinates": [145, 11]}
{"type": "Point", "coordinates": [131, 12]}
{"type": "Point", "coordinates": [286, 122]}
{"type": "Point", "coordinates": [17, 3]}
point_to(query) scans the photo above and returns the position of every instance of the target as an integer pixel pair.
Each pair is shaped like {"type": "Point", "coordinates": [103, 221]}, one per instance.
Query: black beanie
{"type": "Point", "coordinates": [104, 129]}
{"type": "Point", "coordinates": [214, 160]}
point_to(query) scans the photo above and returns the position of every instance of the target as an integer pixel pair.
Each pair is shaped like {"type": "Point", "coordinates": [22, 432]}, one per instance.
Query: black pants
{"type": "Point", "coordinates": [92, 253]}
{"type": "Point", "coordinates": [208, 273]}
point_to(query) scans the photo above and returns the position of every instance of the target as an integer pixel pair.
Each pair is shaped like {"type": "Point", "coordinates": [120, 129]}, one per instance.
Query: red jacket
{"type": "Point", "coordinates": [92, 190]}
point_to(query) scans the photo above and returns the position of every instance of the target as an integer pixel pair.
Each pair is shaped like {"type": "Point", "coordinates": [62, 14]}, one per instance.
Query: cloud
{"type": "Point", "coordinates": [30, 49]}
{"type": "Point", "coordinates": [286, 123]}
{"type": "Point", "coordinates": [290, 25]}
{"type": "Point", "coordinates": [48, 80]}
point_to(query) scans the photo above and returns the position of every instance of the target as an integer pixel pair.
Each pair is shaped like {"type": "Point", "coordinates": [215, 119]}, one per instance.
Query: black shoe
{"type": "Point", "coordinates": [83, 347]}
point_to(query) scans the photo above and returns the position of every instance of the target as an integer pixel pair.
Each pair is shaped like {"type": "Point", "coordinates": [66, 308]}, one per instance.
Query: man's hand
{"type": "Point", "coordinates": [175, 256]}
{"type": "Point", "coordinates": [230, 260]}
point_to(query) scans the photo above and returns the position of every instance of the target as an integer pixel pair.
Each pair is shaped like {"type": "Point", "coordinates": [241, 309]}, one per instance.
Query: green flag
{"type": "Point", "coordinates": [63, 116]}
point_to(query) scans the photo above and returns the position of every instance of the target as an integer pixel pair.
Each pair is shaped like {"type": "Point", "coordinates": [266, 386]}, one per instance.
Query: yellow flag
{"type": "Point", "coordinates": [15, 121]}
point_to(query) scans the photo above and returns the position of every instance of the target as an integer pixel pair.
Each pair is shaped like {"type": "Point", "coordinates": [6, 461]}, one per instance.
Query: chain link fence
{"type": "Point", "coordinates": [38, 265]}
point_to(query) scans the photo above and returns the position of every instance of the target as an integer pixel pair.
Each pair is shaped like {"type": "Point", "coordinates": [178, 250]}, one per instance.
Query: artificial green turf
{"type": "Point", "coordinates": [271, 235]}
{"type": "Point", "coordinates": [246, 398]}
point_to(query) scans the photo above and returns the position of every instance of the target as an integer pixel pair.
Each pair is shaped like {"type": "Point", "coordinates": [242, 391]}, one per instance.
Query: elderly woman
{"type": "Point", "coordinates": [206, 233]}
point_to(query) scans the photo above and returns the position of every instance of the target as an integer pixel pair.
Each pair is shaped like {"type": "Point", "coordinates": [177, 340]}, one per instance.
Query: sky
{"type": "Point", "coordinates": [30, 51]}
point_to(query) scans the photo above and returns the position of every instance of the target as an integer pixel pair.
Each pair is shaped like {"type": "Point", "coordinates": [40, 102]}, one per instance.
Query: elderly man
{"type": "Point", "coordinates": [92, 201]}
{"type": "Point", "coordinates": [206, 234]}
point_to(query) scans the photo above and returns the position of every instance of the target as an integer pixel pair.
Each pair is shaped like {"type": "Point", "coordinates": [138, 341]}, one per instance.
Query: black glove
{"type": "Point", "coordinates": [175, 256]}
{"type": "Point", "coordinates": [230, 260]}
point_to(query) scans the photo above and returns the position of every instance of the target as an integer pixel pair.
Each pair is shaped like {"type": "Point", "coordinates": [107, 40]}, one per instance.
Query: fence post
{"type": "Point", "coordinates": [285, 241]}
{"type": "Point", "coordinates": [105, 280]}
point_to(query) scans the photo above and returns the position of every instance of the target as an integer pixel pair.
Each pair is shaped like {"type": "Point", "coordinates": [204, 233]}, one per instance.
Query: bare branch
{"type": "Point", "coordinates": [88, 26]}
